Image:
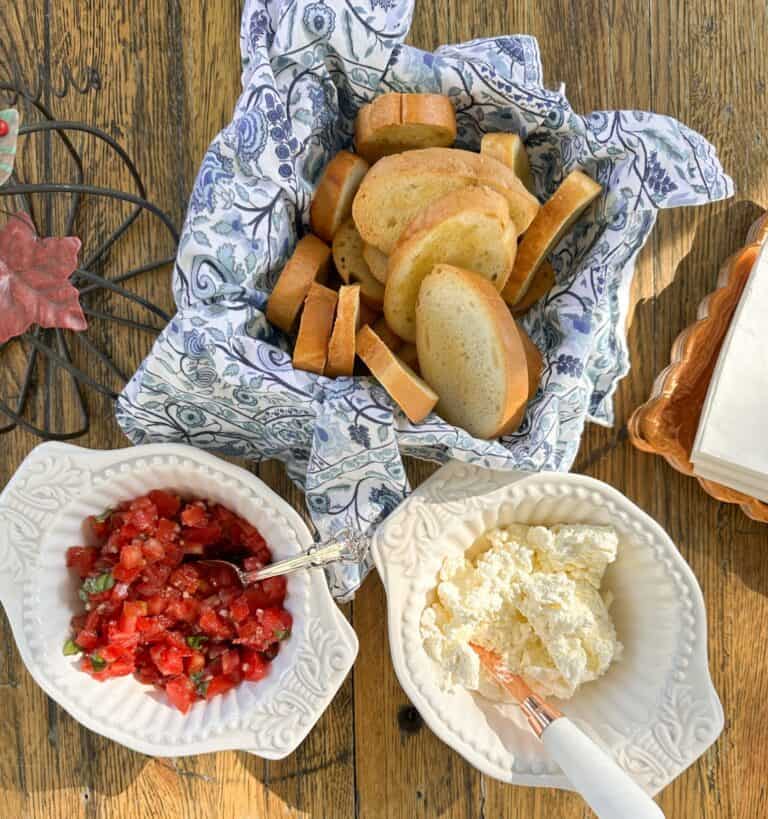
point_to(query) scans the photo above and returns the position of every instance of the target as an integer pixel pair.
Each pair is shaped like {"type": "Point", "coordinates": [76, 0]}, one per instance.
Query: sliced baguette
{"type": "Point", "coordinates": [399, 187]}
{"type": "Point", "coordinates": [393, 123]}
{"type": "Point", "coordinates": [414, 397]}
{"type": "Point", "coordinates": [341, 347]}
{"type": "Point", "coordinates": [469, 228]}
{"type": "Point", "coordinates": [386, 334]}
{"type": "Point", "coordinates": [576, 192]}
{"type": "Point", "coordinates": [543, 281]}
{"type": "Point", "coordinates": [309, 263]}
{"type": "Point", "coordinates": [471, 352]}
{"type": "Point", "coordinates": [509, 149]}
{"type": "Point", "coordinates": [377, 262]}
{"type": "Point", "coordinates": [352, 267]}
{"type": "Point", "coordinates": [311, 350]}
{"type": "Point", "coordinates": [332, 202]}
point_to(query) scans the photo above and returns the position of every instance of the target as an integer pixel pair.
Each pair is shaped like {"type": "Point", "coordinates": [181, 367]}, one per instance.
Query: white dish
{"type": "Point", "coordinates": [42, 511]}
{"type": "Point", "coordinates": [655, 711]}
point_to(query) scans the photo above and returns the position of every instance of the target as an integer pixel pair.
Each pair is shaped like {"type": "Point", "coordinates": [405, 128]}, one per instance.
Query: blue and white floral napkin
{"type": "Point", "coordinates": [220, 377]}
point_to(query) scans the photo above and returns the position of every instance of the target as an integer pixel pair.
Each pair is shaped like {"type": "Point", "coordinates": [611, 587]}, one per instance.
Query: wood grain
{"type": "Point", "coordinates": [162, 77]}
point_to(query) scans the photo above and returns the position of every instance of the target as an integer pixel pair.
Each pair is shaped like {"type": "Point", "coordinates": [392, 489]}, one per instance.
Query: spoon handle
{"type": "Point", "coordinates": [345, 548]}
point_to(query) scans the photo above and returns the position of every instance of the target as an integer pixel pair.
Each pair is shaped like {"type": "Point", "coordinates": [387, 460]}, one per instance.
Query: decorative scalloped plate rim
{"type": "Point", "coordinates": [457, 491]}
{"type": "Point", "coordinates": [685, 350]}
{"type": "Point", "coordinates": [282, 708]}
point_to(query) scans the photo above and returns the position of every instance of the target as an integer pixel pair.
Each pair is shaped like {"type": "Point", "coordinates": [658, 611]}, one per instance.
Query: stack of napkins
{"type": "Point", "coordinates": [731, 445]}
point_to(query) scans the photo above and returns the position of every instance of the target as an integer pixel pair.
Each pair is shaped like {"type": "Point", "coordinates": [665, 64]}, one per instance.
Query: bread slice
{"type": "Point", "coordinates": [399, 187]}
{"type": "Point", "coordinates": [311, 350]}
{"type": "Point", "coordinates": [377, 262]}
{"type": "Point", "coordinates": [533, 360]}
{"type": "Point", "coordinates": [509, 149]}
{"type": "Point", "coordinates": [409, 355]}
{"type": "Point", "coordinates": [552, 222]}
{"type": "Point", "coordinates": [332, 202]}
{"type": "Point", "coordinates": [341, 347]}
{"type": "Point", "coordinates": [309, 263]}
{"type": "Point", "coordinates": [543, 281]}
{"type": "Point", "coordinates": [469, 228]}
{"type": "Point", "coordinates": [385, 333]}
{"type": "Point", "coordinates": [393, 123]}
{"type": "Point", "coordinates": [471, 352]}
{"type": "Point", "coordinates": [407, 390]}
{"type": "Point", "coordinates": [352, 267]}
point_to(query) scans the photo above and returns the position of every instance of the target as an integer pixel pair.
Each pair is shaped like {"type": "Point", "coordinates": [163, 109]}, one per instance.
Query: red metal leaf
{"type": "Point", "coordinates": [34, 280]}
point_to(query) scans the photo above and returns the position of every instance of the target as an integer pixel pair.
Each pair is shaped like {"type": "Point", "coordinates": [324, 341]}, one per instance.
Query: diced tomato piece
{"type": "Point", "coordinates": [186, 578]}
{"type": "Point", "coordinates": [167, 530]}
{"type": "Point", "coordinates": [82, 559]}
{"type": "Point", "coordinates": [135, 608]}
{"type": "Point", "coordinates": [253, 665]}
{"type": "Point", "coordinates": [239, 609]}
{"type": "Point", "coordinates": [166, 503]}
{"type": "Point", "coordinates": [181, 693]}
{"type": "Point", "coordinates": [252, 633]}
{"type": "Point", "coordinates": [254, 542]}
{"type": "Point", "coordinates": [230, 661]}
{"type": "Point", "coordinates": [168, 660]}
{"type": "Point", "coordinates": [131, 556]}
{"type": "Point", "coordinates": [277, 622]}
{"type": "Point", "coordinates": [143, 514]}
{"type": "Point", "coordinates": [212, 624]}
{"type": "Point", "coordinates": [87, 639]}
{"type": "Point", "coordinates": [185, 609]}
{"type": "Point", "coordinates": [99, 526]}
{"type": "Point", "coordinates": [121, 667]}
{"type": "Point", "coordinates": [125, 575]}
{"type": "Point", "coordinates": [194, 514]}
{"type": "Point", "coordinates": [195, 663]}
{"type": "Point", "coordinates": [204, 535]}
{"type": "Point", "coordinates": [218, 685]}
{"type": "Point", "coordinates": [157, 604]}
{"type": "Point", "coordinates": [270, 592]}
{"type": "Point", "coordinates": [153, 550]}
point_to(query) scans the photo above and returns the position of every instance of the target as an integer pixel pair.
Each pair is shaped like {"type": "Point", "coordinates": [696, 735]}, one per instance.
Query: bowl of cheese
{"type": "Point", "coordinates": [581, 593]}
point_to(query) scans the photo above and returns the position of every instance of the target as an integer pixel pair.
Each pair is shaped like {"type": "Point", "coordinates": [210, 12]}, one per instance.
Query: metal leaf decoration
{"type": "Point", "coordinates": [45, 368]}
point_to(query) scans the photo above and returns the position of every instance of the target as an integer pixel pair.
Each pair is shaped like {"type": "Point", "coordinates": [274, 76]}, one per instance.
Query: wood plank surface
{"type": "Point", "coordinates": [162, 76]}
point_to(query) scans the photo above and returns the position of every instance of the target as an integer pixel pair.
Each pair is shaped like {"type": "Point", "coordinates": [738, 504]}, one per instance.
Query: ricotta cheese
{"type": "Point", "coordinates": [532, 594]}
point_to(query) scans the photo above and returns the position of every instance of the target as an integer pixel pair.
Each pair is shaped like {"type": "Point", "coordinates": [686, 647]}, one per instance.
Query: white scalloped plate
{"type": "Point", "coordinates": [41, 514]}
{"type": "Point", "coordinates": [656, 710]}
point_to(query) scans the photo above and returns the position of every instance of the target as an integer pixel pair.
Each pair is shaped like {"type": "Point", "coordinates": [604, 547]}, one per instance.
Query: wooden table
{"type": "Point", "coordinates": [162, 77]}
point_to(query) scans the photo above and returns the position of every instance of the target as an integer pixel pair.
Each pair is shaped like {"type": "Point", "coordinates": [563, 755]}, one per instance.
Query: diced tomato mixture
{"type": "Point", "coordinates": [151, 612]}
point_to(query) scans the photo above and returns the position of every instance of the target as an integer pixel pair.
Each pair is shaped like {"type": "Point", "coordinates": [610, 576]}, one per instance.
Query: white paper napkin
{"type": "Point", "coordinates": [731, 445]}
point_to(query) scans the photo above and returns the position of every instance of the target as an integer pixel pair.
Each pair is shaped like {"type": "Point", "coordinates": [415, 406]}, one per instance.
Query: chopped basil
{"type": "Point", "coordinates": [201, 685]}
{"type": "Point", "coordinates": [71, 647]}
{"type": "Point", "coordinates": [98, 663]}
{"type": "Point", "coordinates": [282, 633]}
{"type": "Point", "coordinates": [95, 585]}
{"type": "Point", "coordinates": [196, 641]}
{"type": "Point", "coordinates": [103, 516]}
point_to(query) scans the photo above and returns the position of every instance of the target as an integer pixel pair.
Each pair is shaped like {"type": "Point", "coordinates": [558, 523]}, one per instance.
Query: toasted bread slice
{"type": "Point", "coordinates": [341, 347]}
{"type": "Point", "coordinates": [469, 228]}
{"type": "Point", "coordinates": [576, 192]}
{"type": "Point", "coordinates": [509, 149]}
{"type": "Point", "coordinates": [311, 350]}
{"type": "Point", "coordinates": [533, 359]}
{"type": "Point", "coordinates": [385, 333]}
{"type": "Point", "coordinates": [393, 123]}
{"type": "Point", "coordinates": [377, 262]}
{"type": "Point", "coordinates": [352, 267]}
{"type": "Point", "coordinates": [471, 352]}
{"type": "Point", "coordinates": [309, 263]}
{"type": "Point", "coordinates": [409, 355]}
{"type": "Point", "coordinates": [399, 187]}
{"type": "Point", "coordinates": [332, 202]}
{"type": "Point", "coordinates": [407, 390]}
{"type": "Point", "coordinates": [543, 281]}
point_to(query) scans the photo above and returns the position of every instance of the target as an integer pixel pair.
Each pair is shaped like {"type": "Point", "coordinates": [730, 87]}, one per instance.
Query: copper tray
{"type": "Point", "coordinates": [666, 424]}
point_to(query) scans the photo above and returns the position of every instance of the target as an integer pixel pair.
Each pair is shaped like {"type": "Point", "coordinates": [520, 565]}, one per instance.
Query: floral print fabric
{"type": "Point", "coordinates": [220, 377]}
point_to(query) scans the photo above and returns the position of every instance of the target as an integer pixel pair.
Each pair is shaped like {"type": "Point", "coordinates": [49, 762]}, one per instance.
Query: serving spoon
{"type": "Point", "coordinates": [605, 787]}
{"type": "Point", "coordinates": [346, 547]}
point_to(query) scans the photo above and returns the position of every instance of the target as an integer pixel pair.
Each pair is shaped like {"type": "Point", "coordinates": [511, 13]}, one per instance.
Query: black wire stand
{"type": "Point", "coordinates": [54, 347]}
